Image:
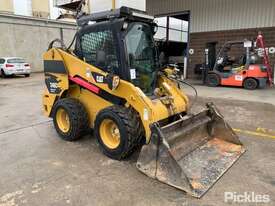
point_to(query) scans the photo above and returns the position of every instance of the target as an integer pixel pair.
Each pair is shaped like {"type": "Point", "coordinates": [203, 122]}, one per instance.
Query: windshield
{"type": "Point", "coordinates": [16, 60]}
{"type": "Point", "coordinates": [142, 56]}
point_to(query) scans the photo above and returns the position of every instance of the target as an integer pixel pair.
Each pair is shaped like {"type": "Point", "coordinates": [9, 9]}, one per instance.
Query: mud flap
{"type": "Point", "coordinates": [192, 153]}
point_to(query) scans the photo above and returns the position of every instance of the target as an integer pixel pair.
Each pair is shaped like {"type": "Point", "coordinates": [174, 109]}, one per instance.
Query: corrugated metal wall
{"type": "Point", "coordinates": [103, 5]}
{"type": "Point", "coordinates": [100, 5]}
{"type": "Point", "coordinates": [216, 15]}
{"type": "Point", "coordinates": [138, 4]}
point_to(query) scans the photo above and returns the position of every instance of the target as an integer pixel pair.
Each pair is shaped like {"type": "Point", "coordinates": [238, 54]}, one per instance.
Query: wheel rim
{"type": "Point", "coordinates": [62, 119]}
{"type": "Point", "coordinates": [250, 84]}
{"type": "Point", "coordinates": [109, 133]}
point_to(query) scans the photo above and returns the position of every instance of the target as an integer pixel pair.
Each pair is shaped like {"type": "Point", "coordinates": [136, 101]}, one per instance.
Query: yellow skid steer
{"type": "Point", "coordinates": [113, 83]}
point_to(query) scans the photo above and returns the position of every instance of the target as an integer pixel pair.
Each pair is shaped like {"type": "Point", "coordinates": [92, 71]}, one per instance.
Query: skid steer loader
{"type": "Point", "coordinates": [112, 82]}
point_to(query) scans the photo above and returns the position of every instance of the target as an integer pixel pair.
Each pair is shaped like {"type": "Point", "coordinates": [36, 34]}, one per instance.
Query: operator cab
{"type": "Point", "coordinates": [227, 61]}
{"type": "Point", "coordinates": [120, 42]}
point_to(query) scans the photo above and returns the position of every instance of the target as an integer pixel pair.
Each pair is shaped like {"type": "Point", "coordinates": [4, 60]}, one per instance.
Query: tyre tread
{"type": "Point", "coordinates": [78, 118]}
{"type": "Point", "coordinates": [133, 127]}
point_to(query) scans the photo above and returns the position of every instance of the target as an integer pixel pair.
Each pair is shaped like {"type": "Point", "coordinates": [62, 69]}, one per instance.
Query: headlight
{"type": "Point", "coordinates": [116, 81]}
{"type": "Point", "coordinates": [113, 81]}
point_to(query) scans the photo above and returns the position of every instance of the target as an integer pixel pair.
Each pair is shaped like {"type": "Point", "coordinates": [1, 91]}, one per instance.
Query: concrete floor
{"type": "Point", "coordinates": [266, 95]}
{"type": "Point", "coordinates": [37, 168]}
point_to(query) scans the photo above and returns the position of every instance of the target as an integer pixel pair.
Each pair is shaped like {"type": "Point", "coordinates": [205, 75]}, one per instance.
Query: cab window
{"type": "Point", "coordinates": [142, 56]}
{"type": "Point", "coordinates": [99, 49]}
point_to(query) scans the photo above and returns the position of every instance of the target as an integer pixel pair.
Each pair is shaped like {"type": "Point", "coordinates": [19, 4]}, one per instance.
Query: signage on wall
{"type": "Point", "coordinates": [248, 44]}
{"type": "Point", "coordinates": [270, 50]}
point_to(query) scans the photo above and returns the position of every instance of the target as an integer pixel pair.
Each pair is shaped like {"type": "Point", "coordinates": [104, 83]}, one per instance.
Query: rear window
{"type": "Point", "coordinates": [16, 60]}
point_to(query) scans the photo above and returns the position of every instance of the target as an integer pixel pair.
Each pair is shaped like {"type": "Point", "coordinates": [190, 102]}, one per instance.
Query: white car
{"type": "Point", "coordinates": [14, 66]}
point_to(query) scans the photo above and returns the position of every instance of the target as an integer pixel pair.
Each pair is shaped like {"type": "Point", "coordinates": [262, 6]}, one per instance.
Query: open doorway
{"type": "Point", "coordinates": [211, 47]}
{"type": "Point", "coordinates": [173, 38]}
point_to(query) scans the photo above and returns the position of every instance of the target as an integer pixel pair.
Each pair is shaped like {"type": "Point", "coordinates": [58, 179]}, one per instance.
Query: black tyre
{"type": "Point", "coordinates": [27, 75]}
{"type": "Point", "coordinates": [2, 73]}
{"type": "Point", "coordinates": [250, 84]}
{"type": "Point", "coordinates": [213, 80]}
{"type": "Point", "coordinates": [70, 119]}
{"type": "Point", "coordinates": [118, 131]}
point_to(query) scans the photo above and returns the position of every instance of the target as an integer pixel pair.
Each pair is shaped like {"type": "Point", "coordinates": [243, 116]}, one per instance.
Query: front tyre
{"type": "Point", "coordinates": [70, 119]}
{"type": "Point", "coordinates": [250, 84]}
{"type": "Point", "coordinates": [2, 73]}
{"type": "Point", "coordinates": [117, 130]}
{"type": "Point", "coordinates": [213, 80]}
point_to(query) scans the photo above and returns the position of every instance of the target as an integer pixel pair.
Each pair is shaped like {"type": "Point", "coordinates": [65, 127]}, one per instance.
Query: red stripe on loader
{"type": "Point", "coordinates": [85, 84]}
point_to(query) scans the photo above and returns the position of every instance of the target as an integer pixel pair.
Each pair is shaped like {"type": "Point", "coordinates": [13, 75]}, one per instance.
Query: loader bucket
{"type": "Point", "coordinates": [192, 153]}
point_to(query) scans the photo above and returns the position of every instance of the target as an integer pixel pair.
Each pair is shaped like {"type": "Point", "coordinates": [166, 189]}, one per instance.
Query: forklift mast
{"type": "Point", "coordinates": [261, 44]}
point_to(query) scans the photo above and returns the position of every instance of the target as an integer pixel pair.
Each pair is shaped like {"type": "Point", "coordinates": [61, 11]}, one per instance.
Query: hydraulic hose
{"type": "Point", "coordinates": [195, 91]}
{"type": "Point", "coordinates": [190, 85]}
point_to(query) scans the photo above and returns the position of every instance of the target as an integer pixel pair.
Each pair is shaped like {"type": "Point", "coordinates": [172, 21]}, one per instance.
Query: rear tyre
{"type": "Point", "coordinates": [118, 131]}
{"type": "Point", "coordinates": [213, 80]}
{"type": "Point", "coordinates": [70, 119]}
{"type": "Point", "coordinates": [2, 74]}
{"type": "Point", "coordinates": [250, 84]}
{"type": "Point", "coordinates": [27, 75]}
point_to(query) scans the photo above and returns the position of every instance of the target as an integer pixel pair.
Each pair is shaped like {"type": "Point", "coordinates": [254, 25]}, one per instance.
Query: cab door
{"type": "Point", "coordinates": [98, 45]}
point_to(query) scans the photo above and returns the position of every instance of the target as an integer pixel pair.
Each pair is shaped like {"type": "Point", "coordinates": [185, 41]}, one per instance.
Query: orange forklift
{"type": "Point", "coordinates": [250, 70]}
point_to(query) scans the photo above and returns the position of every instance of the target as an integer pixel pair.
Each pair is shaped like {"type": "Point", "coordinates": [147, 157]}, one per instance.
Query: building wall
{"type": "Point", "coordinates": [216, 15]}
{"type": "Point", "coordinates": [6, 6]}
{"type": "Point", "coordinates": [137, 4]}
{"type": "Point", "coordinates": [221, 21]}
{"type": "Point", "coordinates": [103, 5]}
{"type": "Point", "coordinates": [29, 37]}
{"type": "Point", "coordinates": [100, 5]}
{"type": "Point", "coordinates": [45, 8]}
{"type": "Point", "coordinates": [198, 43]}
{"type": "Point", "coordinates": [22, 7]}
{"type": "Point", "coordinates": [40, 8]}
{"type": "Point", "coordinates": [35, 8]}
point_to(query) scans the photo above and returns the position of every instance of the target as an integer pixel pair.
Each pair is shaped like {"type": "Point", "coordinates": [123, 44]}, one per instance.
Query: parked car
{"type": "Point", "coordinates": [14, 66]}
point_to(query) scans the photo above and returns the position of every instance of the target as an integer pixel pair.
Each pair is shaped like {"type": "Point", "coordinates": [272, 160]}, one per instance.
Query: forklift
{"type": "Point", "coordinates": [249, 70]}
